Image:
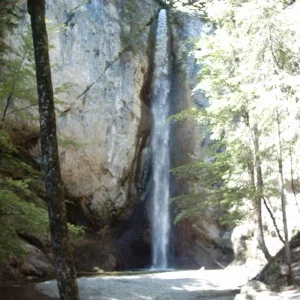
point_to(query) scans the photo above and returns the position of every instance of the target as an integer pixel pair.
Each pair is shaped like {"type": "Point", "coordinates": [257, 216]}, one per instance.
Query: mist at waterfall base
{"type": "Point", "coordinates": [160, 216]}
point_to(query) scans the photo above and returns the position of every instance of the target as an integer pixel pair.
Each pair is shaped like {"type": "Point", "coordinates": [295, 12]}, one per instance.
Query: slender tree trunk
{"type": "Point", "coordinates": [259, 194]}
{"type": "Point", "coordinates": [9, 98]}
{"type": "Point", "coordinates": [257, 183]}
{"type": "Point", "coordinates": [292, 179]}
{"type": "Point", "coordinates": [6, 108]}
{"type": "Point", "coordinates": [283, 204]}
{"type": "Point", "coordinates": [62, 252]}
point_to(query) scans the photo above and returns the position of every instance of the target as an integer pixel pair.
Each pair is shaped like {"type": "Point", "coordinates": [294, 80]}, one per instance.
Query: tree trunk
{"type": "Point", "coordinates": [62, 252]}
{"type": "Point", "coordinates": [292, 179]}
{"type": "Point", "coordinates": [283, 204]}
{"type": "Point", "coordinates": [259, 194]}
{"type": "Point", "coordinates": [255, 173]}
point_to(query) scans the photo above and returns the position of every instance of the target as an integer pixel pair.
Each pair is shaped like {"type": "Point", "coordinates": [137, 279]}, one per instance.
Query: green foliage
{"type": "Point", "coordinates": [17, 217]}
{"type": "Point", "coordinates": [250, 73]}
{"type": "Point", "coordinates": [18, 212]}
{"type": "Point", "coordinates": [6, 147]}
{"type": "Point", "coordinates": [65, 143]}
{"type": "Point", "coordinates": [63, 88]}
{"type": "Point", "coordinates": [21, 208]}
{"type": "Point", "coordinates": [76, 231]}
{"type": "Point", "coordinates": [192, 113]}
{"type": "Point", "coordinates": [129, 31]}
{"type": "Point", "coordinates": [213, 184]}
{"type": "Point", "coordinates": [53, 28]}
{"type": "Point", "coordinates": [18, 80]}
{"type": "Point", "coordinates": [18, 90]}
{"type": "Point", "coordinates": [129, 11]}
{"type": "Point", "coordinates": [8, 21]}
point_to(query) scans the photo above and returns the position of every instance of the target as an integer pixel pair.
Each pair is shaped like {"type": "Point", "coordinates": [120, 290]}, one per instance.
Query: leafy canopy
{"type": "Point", "coordinates": [250, 74]}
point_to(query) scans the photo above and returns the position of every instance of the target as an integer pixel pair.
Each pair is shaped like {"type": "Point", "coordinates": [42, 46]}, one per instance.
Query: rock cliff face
{"type": "Point", "coordinates": [102, 53]}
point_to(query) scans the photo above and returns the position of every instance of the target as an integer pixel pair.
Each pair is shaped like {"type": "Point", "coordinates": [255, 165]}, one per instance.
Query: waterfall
{"type": "Point", "coordinates": [160, 147]}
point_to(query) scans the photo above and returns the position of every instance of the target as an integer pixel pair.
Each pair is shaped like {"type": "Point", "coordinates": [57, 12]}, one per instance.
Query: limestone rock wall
{"type": "Point", "coordinates": [104, 54]}
{"type": "Point", "coordinates": [100, 52]}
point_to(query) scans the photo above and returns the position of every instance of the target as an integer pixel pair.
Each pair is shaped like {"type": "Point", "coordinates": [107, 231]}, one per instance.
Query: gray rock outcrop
{"type": "Point", "coordinates": [100, 54]}
{"type": "Point", "coordinates": [104, 53]}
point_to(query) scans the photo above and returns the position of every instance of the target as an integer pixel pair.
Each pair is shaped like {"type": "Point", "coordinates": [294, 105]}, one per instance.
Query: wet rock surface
{"type": "Point", "coordinates": [94, 254]}
{"type": "Point", "coordinates": [274, 273]}
{"type": "Point", "coordinates": [256, 290]}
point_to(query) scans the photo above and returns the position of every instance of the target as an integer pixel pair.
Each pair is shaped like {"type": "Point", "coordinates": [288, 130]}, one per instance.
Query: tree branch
{"type": "Point", "coordinates": [23, 108]}
{"type": "Point", "coordinates": [273, 220]}
{"type": "Point", "coordinates": [13, 86]}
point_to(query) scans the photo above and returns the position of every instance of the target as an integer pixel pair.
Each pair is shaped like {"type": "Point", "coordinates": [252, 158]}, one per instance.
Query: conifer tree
{"type": "Point", "coordinates": [250, 74]}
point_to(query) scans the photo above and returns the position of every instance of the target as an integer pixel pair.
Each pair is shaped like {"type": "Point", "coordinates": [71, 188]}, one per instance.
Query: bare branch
{"type": "Point", "coordinates": [273, 220]}
{"type": "Point", "coordinates": [23, 108]}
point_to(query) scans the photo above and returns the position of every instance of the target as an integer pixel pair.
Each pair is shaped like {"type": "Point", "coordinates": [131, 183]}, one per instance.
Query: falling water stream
{"type": "Point", "coordinates": [160, 147]}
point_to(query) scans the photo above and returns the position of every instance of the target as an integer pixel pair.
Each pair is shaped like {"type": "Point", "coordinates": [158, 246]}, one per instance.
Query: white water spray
{"type": "Point", "coordinates": [160, 147]}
